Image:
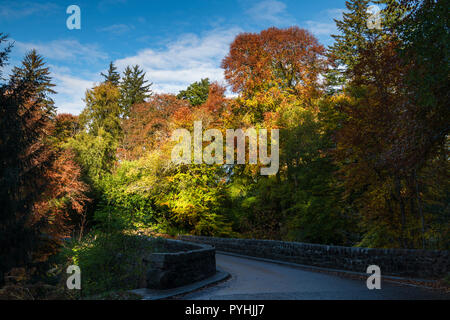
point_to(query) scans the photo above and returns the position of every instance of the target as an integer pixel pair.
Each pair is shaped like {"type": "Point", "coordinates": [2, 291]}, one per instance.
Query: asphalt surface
{"type": "Point", "coordinates": [259, 280]}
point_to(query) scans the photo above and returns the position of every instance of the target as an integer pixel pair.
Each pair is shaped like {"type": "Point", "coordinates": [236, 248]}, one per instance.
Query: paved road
{"type": "Point", "coordinates": [258, 280]}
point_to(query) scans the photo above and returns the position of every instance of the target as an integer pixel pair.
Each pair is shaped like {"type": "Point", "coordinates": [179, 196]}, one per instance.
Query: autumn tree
{"type": "Point", "coordinates": [422, 27]}
{"type": "Point", "coordinates": [66, 126]}
{"type": "Point", "coordinates": [63, 202]}
{"type": "Point", "coordinates": [380, 139]}
{"type": "Point", "coordinates": [188, 198]}
{"type": "Point", "coordinates": [368, 111]}
{"type": "Point", "coordinates": [65, 198]}
{"type": "Point", "coordinates": [216, 100]}
{"type": "Point", "coordinates": [263, 67]}
{"type": "Point", "coordinates": [148, 124]}
{"type": "Point", "coordinates": [276, 74]}
{"type": "Point", "coordinates": [288, 58]}
{"type": "Point", "coordinates": [26, 111]}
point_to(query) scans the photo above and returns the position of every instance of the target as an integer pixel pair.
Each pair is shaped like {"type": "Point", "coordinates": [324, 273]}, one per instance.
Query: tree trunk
{"type": "Point", "coordinates": [419, 206]}
{"type": "Point", "coordinates": [402, 211]}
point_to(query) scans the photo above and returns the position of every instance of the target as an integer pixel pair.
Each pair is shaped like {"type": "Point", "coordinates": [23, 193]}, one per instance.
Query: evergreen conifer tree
{"type": "Point", "coordinates": [112, 76]}
{"type": "Point", "coordinates": [4, 53]}
{"type": "Point", "coordinates": [25, 113]}
{"type": "Point", "coordinates": [134, 88]}
{"type": "Point", "coordinates": [354, 35]}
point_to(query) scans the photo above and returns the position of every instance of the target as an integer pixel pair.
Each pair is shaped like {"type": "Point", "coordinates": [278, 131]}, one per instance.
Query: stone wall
{"type": "Point", "coordinates": [394, 262]}
{"type": "Point", "coordinates": [193, 262]}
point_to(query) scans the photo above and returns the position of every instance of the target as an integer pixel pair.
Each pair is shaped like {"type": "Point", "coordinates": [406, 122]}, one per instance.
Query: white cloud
{"type": "Point", "coordinates": [106, 4]}
{"type": "Point", "coordinates": [171, 68]}
{"type": "Point", "coordinates": [272, 11]}
{"type": "Point", "coordinates": [16, 9]}
{"type": "Point", "coordinates": [186, 60]}
{"type": "Point", "coordinates": [335, 13]}
{"type": "Point", "coordinates": [321, 28]}
{"type": "Point", "coordinates": [70, 89]}
{"type": "Point", "coordinates": [117, 29]}
{"type": "Point", "coordinates": [325, 26]}
{"type": "Point", "coordinates": [66, 50]}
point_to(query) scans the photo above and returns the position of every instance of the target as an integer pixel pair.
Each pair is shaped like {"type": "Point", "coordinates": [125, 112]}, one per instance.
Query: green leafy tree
{"type": "Point", "coordinates": [423, 28]}
{"type": "Point", "coordinates": [96, 146]}
{"type": "Point", "coordinates": [102, 110]}
{"type": "Point", "coordinates": [96, 155]}
{"type": "Point", "coordinates": [425, 33]}
{"type": "Point", "coordinates": [196, 93]}
{"type": "Point", "coordinates": [125, 206]}
{"type": "Point", "coordinates": [194, 197]}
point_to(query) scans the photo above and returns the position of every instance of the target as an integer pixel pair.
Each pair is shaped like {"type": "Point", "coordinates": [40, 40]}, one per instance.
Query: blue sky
{"type": "Point", "coordinates": [176, 42]}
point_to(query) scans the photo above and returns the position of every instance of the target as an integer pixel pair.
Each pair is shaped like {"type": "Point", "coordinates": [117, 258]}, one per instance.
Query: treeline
{"type": "Point", "coordinates": [363, 143]}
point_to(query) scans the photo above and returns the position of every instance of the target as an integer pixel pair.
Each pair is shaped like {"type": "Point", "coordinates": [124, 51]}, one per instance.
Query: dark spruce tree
{"type": "Point", "coordinates": [25, 113]}
{"type": "Point", "coordinates": [4, 52]}
{"type": "Point", "coordinates": [425, 32]}
{"type": "Point", "coordinates": [354, 36]}
{"type": "Point", "coordinates": [33, 70]}
{"type": "Point", "coordinates": [112, 75]}
{"type": "Point", "coordinates": [134, 88]}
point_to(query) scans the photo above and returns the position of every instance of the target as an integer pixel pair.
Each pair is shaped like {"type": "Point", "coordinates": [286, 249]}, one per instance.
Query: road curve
{"type": "Point", "coordinates": [259, 280]}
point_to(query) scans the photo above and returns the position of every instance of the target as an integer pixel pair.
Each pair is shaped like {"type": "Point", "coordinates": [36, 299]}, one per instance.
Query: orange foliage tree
{"type": "Point", "coordinates": [288, 58]}
{"type": "Point", "coordinates": [147, 124]}
{"type": "Point", "coordinates": [63, 202]}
